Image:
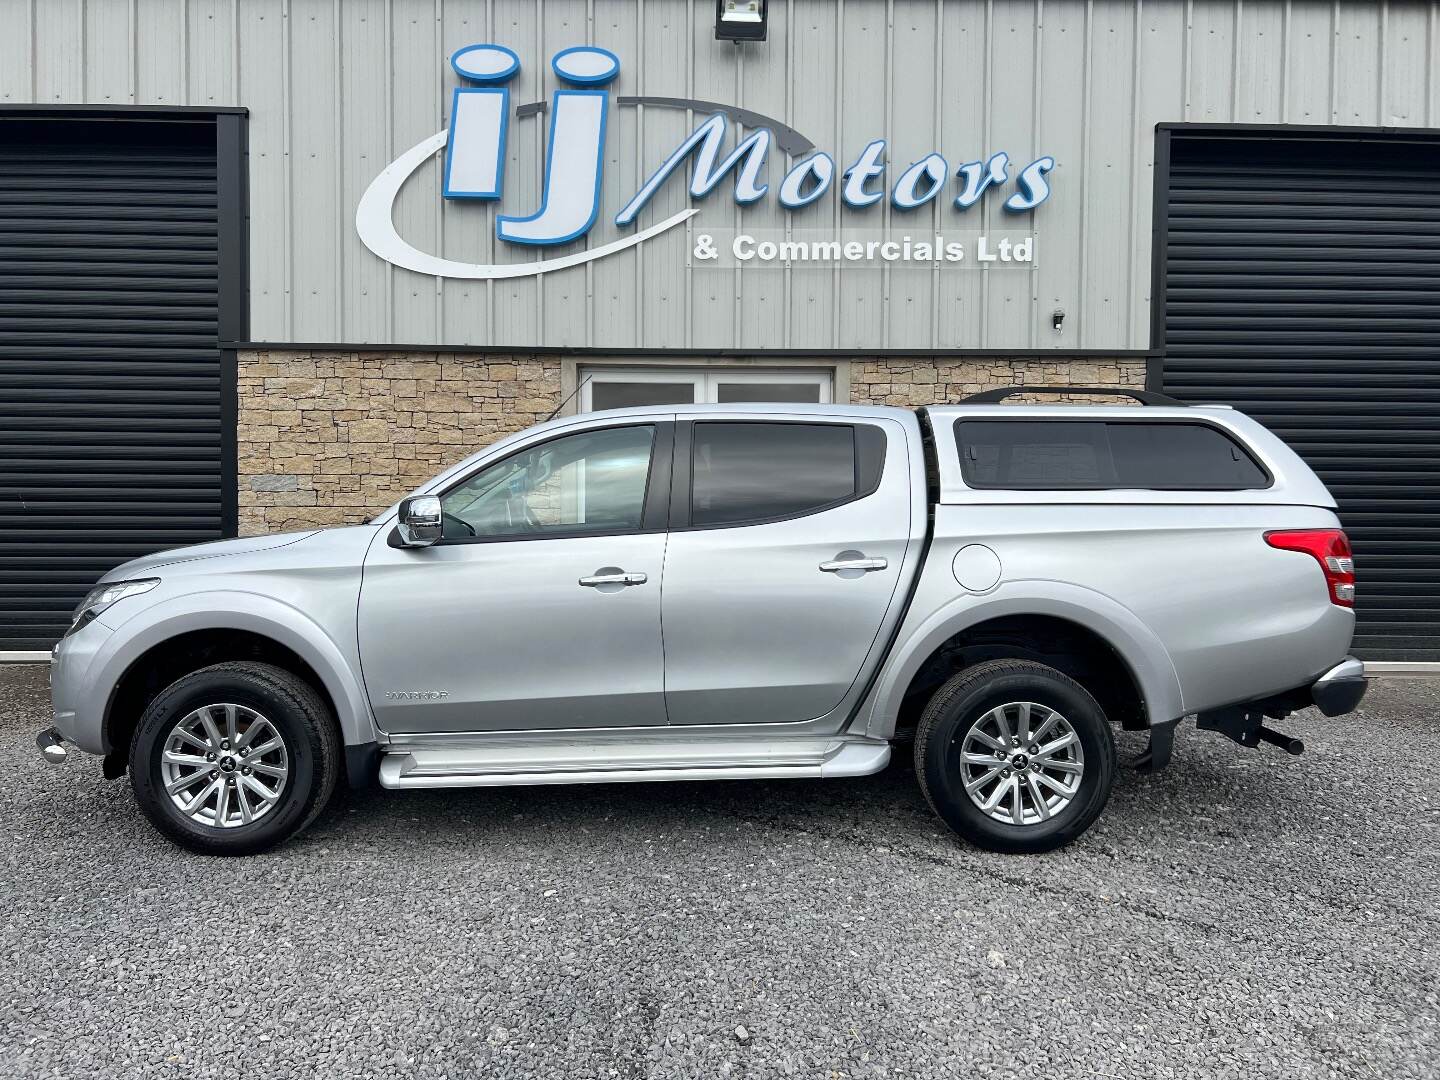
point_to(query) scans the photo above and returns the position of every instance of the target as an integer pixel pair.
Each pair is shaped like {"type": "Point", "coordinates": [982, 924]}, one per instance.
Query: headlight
{"type": "Point", "coordinates": [103, 596]}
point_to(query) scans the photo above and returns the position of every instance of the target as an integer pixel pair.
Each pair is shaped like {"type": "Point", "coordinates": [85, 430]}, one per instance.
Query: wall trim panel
{"type": "Point", "coordinates": [337, 91]}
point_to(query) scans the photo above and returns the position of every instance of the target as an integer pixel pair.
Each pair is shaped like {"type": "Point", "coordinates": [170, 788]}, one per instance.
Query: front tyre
{"type": "Point", "coordinates": [235, 758]}
{"type": "Point", "coordinates": [1015, 756]}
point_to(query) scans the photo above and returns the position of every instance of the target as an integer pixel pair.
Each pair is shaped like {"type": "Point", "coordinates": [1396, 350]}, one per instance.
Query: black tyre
{"type": "Point", "coordinates": [234, 759]}
{"type": "Point", "coordinates": [1015, 756]}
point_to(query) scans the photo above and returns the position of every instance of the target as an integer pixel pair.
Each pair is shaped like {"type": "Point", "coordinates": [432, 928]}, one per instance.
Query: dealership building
{"type": "Point", "coordinates": [268, 264]}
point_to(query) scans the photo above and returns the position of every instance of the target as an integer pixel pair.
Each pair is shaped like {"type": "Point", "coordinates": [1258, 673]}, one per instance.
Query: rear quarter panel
{"type": "Point", "coordinates": [1237, 618]}
{"type": "Point", "coordinates": [1185, 573]}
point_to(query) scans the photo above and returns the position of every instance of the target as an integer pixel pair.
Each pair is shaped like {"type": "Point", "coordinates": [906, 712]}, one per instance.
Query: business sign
{"type": "Point", "coordinates": [475, 150]}
{"type": "Point", "coordinates": [860, 247]}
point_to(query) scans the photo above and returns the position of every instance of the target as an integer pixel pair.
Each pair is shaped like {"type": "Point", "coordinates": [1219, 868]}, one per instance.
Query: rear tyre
{"type": "Point", "coordinates": [235, 758]}
{"type": "Point", "coordinates": [1015, 756]}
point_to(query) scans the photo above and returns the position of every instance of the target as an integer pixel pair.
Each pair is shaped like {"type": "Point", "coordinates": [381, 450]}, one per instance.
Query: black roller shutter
{"type": "Point", "coordinates": [1301, 283]}
{"type": "Point", "coordinates": [111, 440]}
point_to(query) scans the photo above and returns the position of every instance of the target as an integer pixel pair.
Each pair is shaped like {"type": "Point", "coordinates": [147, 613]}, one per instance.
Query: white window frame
{"type": "Point", "coordinates": [706, 381]}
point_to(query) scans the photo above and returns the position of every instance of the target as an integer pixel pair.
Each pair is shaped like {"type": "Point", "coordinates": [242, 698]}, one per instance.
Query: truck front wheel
{"type": "Point", "coordinates": [235, 758]}
{"type": "Point", "coordinates": [1015, 756]}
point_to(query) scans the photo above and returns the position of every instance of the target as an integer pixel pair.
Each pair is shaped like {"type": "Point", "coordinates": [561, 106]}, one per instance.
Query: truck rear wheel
{"type": "Point", "coordinates": [1015, 756]}
{"type": "Point", "coordinates": [235, 758]}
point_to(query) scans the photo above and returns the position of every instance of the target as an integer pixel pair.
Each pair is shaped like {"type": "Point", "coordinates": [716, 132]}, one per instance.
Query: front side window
{"type": "Point", "coordinates": [1098, 455]}
{"type": "Point", "coordinates": [590, 482]}
{"type": "Point", "coordinates": [747, 472]}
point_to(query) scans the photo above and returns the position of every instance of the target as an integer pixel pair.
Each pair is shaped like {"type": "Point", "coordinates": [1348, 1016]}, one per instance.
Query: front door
{"type": "Point", "coordinates": [786, 560]}
{"type": "Point", "coordinates": [540, 607]}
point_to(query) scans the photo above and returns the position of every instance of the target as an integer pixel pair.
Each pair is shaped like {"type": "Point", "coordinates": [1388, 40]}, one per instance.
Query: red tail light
{"type": "Point", "coordinates": [1331, 549]}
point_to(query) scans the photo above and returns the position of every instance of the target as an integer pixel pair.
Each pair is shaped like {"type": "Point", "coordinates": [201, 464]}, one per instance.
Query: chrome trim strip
{"type": "Point", "coordinates": [1345, 671]}
{"type": "Point", "coordinates": [404, 769]}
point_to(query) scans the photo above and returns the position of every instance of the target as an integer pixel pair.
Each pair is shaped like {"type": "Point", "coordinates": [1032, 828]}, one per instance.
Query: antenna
{"type": "Point", "coordinates": [578, 387]}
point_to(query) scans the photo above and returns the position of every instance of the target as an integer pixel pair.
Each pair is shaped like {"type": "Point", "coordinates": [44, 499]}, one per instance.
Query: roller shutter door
{"type": "Point", "coordinates": [1302, 285]}
{"type": "Point", "coordinates": [110, 366]}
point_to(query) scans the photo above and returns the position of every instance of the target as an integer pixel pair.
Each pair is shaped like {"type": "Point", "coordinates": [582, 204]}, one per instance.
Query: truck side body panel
{"type": "Point", "coordinates": [1200, 608]}
{"type": "Point", "coordinates": [1181, 583]}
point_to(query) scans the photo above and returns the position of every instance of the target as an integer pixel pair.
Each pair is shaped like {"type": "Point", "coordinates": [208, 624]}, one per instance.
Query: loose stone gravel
{"type": "Point", "coordinates": [1244, 914]}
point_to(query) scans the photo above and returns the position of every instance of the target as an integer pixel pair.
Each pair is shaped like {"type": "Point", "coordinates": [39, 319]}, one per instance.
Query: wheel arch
{"type": "Point", "coordinates": [174, 638]}
{"type": "Point", "coordinates": [1083, 618]}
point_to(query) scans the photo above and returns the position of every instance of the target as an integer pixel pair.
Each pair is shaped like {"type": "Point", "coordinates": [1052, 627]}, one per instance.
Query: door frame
{"type": "Point", "coordinates": [1165, 134]}
{"type": "Point", "coordinates": [231, 124]}
{"type": "Point", "coordinates": [573, 369]}
{"type": "Point", "coordinates": [704, 380]}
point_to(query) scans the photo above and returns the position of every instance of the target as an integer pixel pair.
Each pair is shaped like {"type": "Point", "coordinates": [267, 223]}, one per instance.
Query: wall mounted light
{"type": "Point", "coordinates": [740, 20]}
{"type": "Point", "coordinates": [1057, 320]}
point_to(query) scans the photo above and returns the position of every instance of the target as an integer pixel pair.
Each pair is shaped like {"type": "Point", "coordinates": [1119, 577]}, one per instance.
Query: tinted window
{"type": "Point", "coordinates": [593, 481]}
{"type": "Point", "coordinates": [751, 472]}
{"type": "Point", "coordinates": [625, 395]}
{"type": "Point", "coordinates": [732, 392]}
{"type": "Point", "coordinates": [1059, 454]}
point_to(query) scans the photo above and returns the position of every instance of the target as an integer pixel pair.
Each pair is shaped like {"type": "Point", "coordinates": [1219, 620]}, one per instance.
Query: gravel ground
{"type": "Point", "coordinates": [1244, 914]}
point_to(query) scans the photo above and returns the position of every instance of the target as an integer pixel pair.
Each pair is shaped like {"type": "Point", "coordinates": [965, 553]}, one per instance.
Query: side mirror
{"type": "Point", "coordinates": [420, 522]}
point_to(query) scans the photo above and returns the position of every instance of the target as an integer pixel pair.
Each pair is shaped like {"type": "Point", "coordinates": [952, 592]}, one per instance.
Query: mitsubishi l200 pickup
{"type": "Point", "coordinates": [735, 591]}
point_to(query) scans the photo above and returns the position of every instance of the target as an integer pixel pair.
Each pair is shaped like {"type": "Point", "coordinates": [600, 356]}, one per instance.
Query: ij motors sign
{"type": "Point", "coordinates": [475, 150]}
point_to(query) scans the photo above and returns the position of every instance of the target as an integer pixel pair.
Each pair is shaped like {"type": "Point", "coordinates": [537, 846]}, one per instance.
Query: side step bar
{"type": "Point", "coordinates": [613, 761]}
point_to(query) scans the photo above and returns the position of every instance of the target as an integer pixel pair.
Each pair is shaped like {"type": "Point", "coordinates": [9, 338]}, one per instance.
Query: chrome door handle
{"type": "Point", "coordinates": [836, 565]}
{"type": "Point", "coordinates": [620, 578]}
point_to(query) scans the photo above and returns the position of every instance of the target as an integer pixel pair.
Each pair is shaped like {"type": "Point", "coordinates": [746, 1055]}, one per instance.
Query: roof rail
{"type": "Point", "coordinates": [1145, 397]}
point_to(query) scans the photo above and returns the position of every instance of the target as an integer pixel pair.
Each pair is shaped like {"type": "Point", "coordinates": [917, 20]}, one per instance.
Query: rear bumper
{"type": "Point", "coordinates": [1340, 689]}
{"type": "Point", "coordinates": [1334, 693]}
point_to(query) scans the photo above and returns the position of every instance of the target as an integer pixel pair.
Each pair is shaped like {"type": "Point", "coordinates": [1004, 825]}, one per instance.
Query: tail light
{"type": "Point", "coordinates": [1331, 549]}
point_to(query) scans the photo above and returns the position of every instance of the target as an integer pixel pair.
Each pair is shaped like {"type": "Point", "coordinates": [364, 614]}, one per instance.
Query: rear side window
{"type": "Point", "coordinates": [1091, 455]}
{"type": "Point", "coordinates": [746, 472]}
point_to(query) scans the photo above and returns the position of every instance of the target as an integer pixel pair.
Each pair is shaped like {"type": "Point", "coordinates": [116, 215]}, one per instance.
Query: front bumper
{"type": "Point", "coordinates": [78, 702]}
{"type": "Point", "coordinates": [1340, 689]}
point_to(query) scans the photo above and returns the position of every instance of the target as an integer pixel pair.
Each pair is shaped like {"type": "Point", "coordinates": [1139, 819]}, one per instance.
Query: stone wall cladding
{"type": "Point", "coordinates": [931, 381]}
{"type": "Point", "coordinates": [334, 438]}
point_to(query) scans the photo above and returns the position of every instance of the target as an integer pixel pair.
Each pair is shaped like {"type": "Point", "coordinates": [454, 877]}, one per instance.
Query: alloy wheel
{"type": "Point", "coordinates": [224, 765]}
{"type": "Point", "coordinates": [1022, 763]}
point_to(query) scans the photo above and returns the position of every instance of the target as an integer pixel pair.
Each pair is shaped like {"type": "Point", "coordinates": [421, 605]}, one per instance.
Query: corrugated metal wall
{"type": "Point", "coordinates": [112, 429]}
{"type": "Point", "coordinates": [337, 89]}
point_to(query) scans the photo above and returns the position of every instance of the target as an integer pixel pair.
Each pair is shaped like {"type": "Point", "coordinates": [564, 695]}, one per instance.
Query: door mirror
{"type": "Point", "coordinates": [420, 521]}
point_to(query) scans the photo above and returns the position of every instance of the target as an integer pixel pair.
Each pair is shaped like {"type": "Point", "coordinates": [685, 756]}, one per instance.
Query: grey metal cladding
{"type": "Point", "coordinates": [336, 91]}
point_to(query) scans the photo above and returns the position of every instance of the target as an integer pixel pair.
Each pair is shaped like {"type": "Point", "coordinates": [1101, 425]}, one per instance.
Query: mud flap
{"type": "Point", "coordinates": [1157, 754]}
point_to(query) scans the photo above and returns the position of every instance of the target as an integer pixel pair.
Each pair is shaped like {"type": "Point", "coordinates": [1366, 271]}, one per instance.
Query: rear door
{"type": "Point", "coordinates": [786, 547]}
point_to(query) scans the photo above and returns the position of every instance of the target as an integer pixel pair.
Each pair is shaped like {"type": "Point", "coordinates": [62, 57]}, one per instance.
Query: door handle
{"type": "Point", "coordinates": [837, 565]}
{"type": "Point", "coordinates": [618, 577]}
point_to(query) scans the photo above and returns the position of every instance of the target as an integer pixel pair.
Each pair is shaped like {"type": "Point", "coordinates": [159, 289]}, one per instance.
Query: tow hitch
{"type": "Point", "coordinates": [1246, 725]}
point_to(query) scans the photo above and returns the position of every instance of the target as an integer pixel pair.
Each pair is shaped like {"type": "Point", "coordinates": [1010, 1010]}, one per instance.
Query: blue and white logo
{"type": "Point", "coordinates": [475, 145]}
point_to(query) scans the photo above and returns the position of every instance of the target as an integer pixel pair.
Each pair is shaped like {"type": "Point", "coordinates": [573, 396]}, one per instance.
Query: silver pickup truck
{"type": "Point", "coordinates": [732, 591]}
